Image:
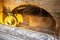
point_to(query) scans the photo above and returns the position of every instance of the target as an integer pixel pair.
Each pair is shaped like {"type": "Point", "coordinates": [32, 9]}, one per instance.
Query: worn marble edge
{"type": "Point", "coordinates": [22, 33]}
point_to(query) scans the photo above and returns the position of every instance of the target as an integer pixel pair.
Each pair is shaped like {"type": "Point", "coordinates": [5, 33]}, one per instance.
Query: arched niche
{"type": "Point", "coordinates": [35, 17]}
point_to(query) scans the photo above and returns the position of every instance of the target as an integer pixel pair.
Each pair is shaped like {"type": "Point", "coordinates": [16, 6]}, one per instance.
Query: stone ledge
{"type": "Point", "coordinates": [13, 33]}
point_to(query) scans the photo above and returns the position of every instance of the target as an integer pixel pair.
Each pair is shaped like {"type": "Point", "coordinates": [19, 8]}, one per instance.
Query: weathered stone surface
{"type": "Point", "coordinates": [12, 33]}
{"type": "Point", "coordinates": [52, 6]}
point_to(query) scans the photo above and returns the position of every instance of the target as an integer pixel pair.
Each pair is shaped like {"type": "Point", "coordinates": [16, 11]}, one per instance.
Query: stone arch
{"type": "Point", "coordinates": [36, 12]}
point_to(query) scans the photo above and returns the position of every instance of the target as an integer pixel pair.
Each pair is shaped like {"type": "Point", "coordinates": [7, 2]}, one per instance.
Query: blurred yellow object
{"type": "Point", "coordinates": [19, 17]}
{"type": "Point", "coordinates": [10, 20]}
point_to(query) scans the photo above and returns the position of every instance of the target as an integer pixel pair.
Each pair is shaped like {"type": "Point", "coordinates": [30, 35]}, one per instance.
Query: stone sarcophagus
{"type": "Point", "coordinates": [29, 19]}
